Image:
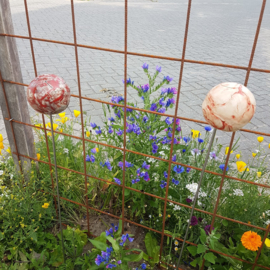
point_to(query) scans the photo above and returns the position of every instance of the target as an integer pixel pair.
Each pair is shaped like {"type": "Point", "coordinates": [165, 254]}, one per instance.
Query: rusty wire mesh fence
{"type": "Point", "coordinates": [123, 149]}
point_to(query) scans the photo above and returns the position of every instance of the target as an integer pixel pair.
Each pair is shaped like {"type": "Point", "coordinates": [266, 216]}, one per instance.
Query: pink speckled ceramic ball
{"type": "Point", "coordinates": [48, 94]}
{"type": "Point", "coordinates": [229, 106]}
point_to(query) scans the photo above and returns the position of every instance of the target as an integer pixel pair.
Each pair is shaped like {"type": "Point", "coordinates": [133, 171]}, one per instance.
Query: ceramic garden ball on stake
{"type": "Point", "coordinates": [227, 107]}
{"type": "Point", "coordinates": [49, 94]}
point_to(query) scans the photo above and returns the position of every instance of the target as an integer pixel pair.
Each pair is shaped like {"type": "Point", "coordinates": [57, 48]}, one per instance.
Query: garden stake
{"type": "Point", "coordinates": [196, 195]}
{"type": "Point", "coordinates": [56, 179]}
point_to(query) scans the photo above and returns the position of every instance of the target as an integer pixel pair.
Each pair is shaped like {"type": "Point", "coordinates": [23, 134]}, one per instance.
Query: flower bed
{"type": "Point", "coordinates": [26, 211]}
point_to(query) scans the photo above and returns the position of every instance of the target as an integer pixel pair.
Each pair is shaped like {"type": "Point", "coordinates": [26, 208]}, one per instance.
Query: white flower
{"type": "Point", "coordinates": [267, 212]}
{"type": "Point", "coordinates": [176, 207]}
{"type": "Point", "coordinates": [1, 172]}
{"type": "Point", "coordinates": [267, 222]}
{"type": "Point", "coordinates": [199, 203]}
{"type": "Point", "coordinates": [66, 150]}
{"type": "Point", "coordinates": [60, 138]}
{"type": "Point", "coordinates": [150, 216]}
{"type": "Point", "coordinates": [11, 176]}
{"type": "Point", "coordinates": [202, 194]}
{"type": "Point", "coordinates": [192, 187]}
{"type": "Point", "coordinates": [238, 192]}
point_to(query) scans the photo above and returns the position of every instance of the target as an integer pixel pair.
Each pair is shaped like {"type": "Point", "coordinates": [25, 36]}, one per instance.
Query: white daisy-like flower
{"type": "Point", "coordinates": [1, 172]}
{"type": "Point", "coordinates": [192, 187]}
{"type": "Point", "coordinates": [238, 192]}
{"type": "Point", "coordinates": [66, 150]}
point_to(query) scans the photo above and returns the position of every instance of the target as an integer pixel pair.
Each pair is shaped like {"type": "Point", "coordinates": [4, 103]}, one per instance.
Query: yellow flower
{"type": "Point", "coordinates": [39, 215]}
{"type": "Point", "coordinates": [38, 125]}
{"type": "Point", "coordinates": [76, 113]}
{"type": "Point", "coordinates": [237, 156]}
{"type": "Point", "coordinates": [259, 174]}
{"type": "Point", "coordinates": [49, 133]}
{"type": "Point", "coordinates": [176, 242]}
{"type": "Point", "coordinates": [195, 133]}
{"type": "Point", "coordinates": [241, 166]}
{"type": "Point", "coordinates": [0, 152]}
{"type": "Point", "coordinates": [97, 150]}
{"type": "Point", "coordinates": [63, 120]}
{"type": "Point", "coordinates": [254, 154]}
{"type": "Point", "coordinates": [45, 205]}
{"type": "Point", "coordinates": [88, 133]}
{"type": "Point", "coordinates": [227, 150]}
{"type": "Point", "coordinates": [1, 145]}
{"type": "Point", "coordinates": [22, 225]}
{"type": "Point", "coordinates": [54, 126]}
{"type": "Point", "coordinates": [38, 156]}
{"type": "Point", "coordinates": [267, 242]}
{"type": "Point", "coordinates": [269, 145]}
{"type": "Point", "coordinates": [60, 130]}
{"type": "Point", "coordinates": [62, 115]}
{"type": "Point", "coordinates": [9, 150]}
{"type": "Point", "coordinates": [160, 215]}
{"type": "Point", "coordinates": [169, 216]}
{"type": "Point", "coordinates": [251, 240]}
{"type": "Point", "coordinates": [1, 137]}
{"type": "Point", "coordinates": [260, 139]}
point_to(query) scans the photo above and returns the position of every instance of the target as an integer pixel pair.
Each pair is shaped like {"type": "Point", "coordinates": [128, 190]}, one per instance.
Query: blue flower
{"type": "Point", "coordinates": [118, 114]}
{"type": "Point", "coordinates": [153, 107]}
{"type": "Point", "coordinates": [152, 137]}
{"type": "Point", "coordinates": [172, 91]}
{"type": "Point", "coordinates": [145, 66]}
{"type": "Point", "coordinates": [158, 69]}
{"type": "Point", "coordinates": [93, 125]}
{"type": "Point", "coordinates": [145, 166]}
{"type": "Point", "coordinates": [107, 164]}
{"type": "Point", "coordinates": [127, 164]}
{"type": "Point", "coordinates": [129, 82]}
{"type": "Point", "coordinates": [155, 148]}
{"type": "Point", "coordinates": [222, 166]}
{"type": "Point", "coordinates": [142, 267]}
{"type": "Point", "coordinates": [208, 128]}
{"type": "Point", "coordinates": [161, 103]}
{"type": "Point", "coordinates": [163, 184]}
{"type": "Point", "coordinates": [111, 119]}
{"type": "Point", "coordinates": [167, 78]}
{"type": "Point", "coordinates": [98, 131]}
{"type": "Point", "coordinates": [110, 265]}
{"type": "Point", "coordinates": [94, 150]}
{"type": "Point", "coordinates": [178, 169]}
{"type": "Point", "coordinates": [195, 152]}
{"type": "Point", "coordinates": [178, 129]}
{"type": "Point", "coordinates": [145, 119]}
{"type": "Point", "coordinates": [119, 132]}
{"type": "Point", "coordinates": [167, 121]}
{"type": "Point", "coordinates": [188, 169]}
{"type": "Point", "coordinates": [92, 159]}
{"type": "Point", "coordinates": [146, 177]}
{"type": "Point", "coordinates": [186, 139]}
{"type": "Point", "coordinates": [165, 174]}
{"type": "Point", "coordinates": [176, 182]}
{"type": "Point", "coordinates": [145, 88]}
{"type": "Point", "coordinates": [162, 110]}
{"type": "Point", "coordinates": [200, 140]}
{"type": "Point", "coordinates": [110, 129]}
{"type": "Point", "coordinates": [116, 99]}
{"type": "Point", "coordinates": [184, 150]}
{"type": "Point", "coordinates": [170, 101]}
{"type": "Point", "coordinates": [174, 158]}
{"type": "Point", "coordinates": [109, 232]}
{"type": "Point", "coordinates": [117, 181]}
{"type": "Point", "coordinates": [87, 158]}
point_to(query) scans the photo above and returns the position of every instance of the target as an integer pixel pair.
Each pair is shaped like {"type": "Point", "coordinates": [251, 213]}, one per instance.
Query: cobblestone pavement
{"type": "Point", "coordinates": [220, 31]}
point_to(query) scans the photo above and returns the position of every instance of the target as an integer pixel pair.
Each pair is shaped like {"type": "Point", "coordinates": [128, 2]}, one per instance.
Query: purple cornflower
{"type": "Point", "coordinates": [176, 182]}
{"type": "Point", "coordinates": [153, 107]}
{"type": "Point", "coordinates": [119, 132]}
{"type": "Point", "coordinates": [188, 200]}
{"type": "Point", "coordinates": [208, 128]}
{"type": "Point", "coordinates": [145, 166]}
{"type": "Point", "coordinates": [167, 121]}
{"type": "Point", "coordinates": [158, 69]}
{"type": "Point", "coordinates": [163, 184]}
{"type": "Point", "coordinates": [117, 181]}
{"type": "Point", "coordinates": [174, 158]}
{"type": "Point", "coordinates": [110, 129]}
{"type": "Point", "coordinates": [178, 169]}
{"type": "Point", "coordinates": [93, 125]}
{"type": "Point", "coordinates": [194, 221]}
{"type": "Point", "coordinates": [129, 82]}
{"type": "Point", "coordinates": [87, 158]}
{"type": "Point", "coordinates": [155, 148]}
{"type": "Point", "coordinates": [207, 229]}
{"type": "Point", "coordinates": [145, 119]}
{"type": "Point", "coordinates": [172, 91]}
{"type": "Point", "coordinates": [167, 78]}
{"type": "Point", "coordinates": [213, 155]}
{"type": "Point", "coordinates": [145, 66]}
{"type": "Point", "coordinates": [222, 166]}
{"type": "Point", "coordinates": [195, 151]}
{"type": "Point", "coordinates": [162, 110]}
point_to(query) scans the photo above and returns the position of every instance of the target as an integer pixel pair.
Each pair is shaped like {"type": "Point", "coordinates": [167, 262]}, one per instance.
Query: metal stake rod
{"type": "Point", "coordinates": [57, 188]}
{"type": "Point", "coordinates": [197, 194]}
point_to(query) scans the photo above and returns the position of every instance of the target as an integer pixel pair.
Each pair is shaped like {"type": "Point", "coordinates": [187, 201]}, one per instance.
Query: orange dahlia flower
{"type": "Point", "coordinates": [251, 240]}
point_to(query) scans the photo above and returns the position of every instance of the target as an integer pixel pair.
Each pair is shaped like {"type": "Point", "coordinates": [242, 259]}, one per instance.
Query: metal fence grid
{"type": "Point", "coordinates": [123, 149]}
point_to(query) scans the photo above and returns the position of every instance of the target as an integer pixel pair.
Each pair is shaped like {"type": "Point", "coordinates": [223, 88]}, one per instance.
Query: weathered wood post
{"type": "Point", "coordinates": [20, 136]}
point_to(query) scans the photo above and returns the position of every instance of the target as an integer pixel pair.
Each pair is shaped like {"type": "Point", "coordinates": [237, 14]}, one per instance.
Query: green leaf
{"type": "Point", "coordinates": [156, 254]}
{"type": "Point", "coordinates": [150, 244]}
{"type": "Point", "coordinates": [192, 250]}
{"type": "Point", "coordinates": [113, 242]}
{"type": "Point", "coordinates": [225, 222]}
{"type": "Point", "coordinates": [203, 236]}
{"type": "Point", "coordinates": [195, 262]}
{"type": "Point", "coordinates": [99, 245]}
{"type": "Point", "coordinates": [145, 257]}
{"type": "Point", "coordinates": [127, 192]}
{"type": "Point", "coordinates": [33, 235]}
{"type": "Point", "coordinates": [102, 238]}
{"type": "Point", "coordinates": [133, 257]}
{"type": "Point", "coordinates": [201, 249]}
{"type": "Point", "coordinates": [23, 257]}
{"type": "Point", "coordinates": [210, 257]}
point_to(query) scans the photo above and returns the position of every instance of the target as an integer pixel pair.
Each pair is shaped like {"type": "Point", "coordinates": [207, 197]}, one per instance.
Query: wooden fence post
{"type": "Point", "coordinates": [23, 139]}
